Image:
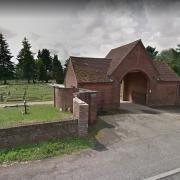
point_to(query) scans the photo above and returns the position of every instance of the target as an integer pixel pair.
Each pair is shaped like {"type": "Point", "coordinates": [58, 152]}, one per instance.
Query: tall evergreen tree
{"type": "Point", "coordinates": [178, 48]}
{"type": "Point", "coordinates": [151, 51]}
{"type": "Point", "coordinates": [47, 63]}
{"type": "Point", "coordinates": [57, 70]}
{"type": "Point", "coordinates": [26, 63]}
{"type": "Point", "coordinates": [65, 66]}
{"type": "Point", "coordinates": [41, 70]}
{"type": "Point", "coordinates": [6, 65]}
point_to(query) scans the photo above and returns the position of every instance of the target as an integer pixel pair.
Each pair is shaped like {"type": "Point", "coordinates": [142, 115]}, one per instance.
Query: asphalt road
{"type": "Point", "coordinates": [138, 143]}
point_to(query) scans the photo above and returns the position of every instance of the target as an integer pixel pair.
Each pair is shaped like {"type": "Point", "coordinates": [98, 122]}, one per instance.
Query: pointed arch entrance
{"type": "Point", "coordinates": [135, 87]}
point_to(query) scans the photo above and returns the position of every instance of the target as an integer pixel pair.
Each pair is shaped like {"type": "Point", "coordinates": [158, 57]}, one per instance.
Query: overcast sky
{"type": "Point", "coordinates": [90, 28]}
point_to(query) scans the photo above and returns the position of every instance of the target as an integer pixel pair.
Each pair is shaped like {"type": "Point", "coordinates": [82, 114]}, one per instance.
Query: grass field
{"type": "Point", "coordinates": [14, 91]}
{"type": "Point", "coordinates": [43, 150]}
{"type": "Point", "coordinates": [13, 115]}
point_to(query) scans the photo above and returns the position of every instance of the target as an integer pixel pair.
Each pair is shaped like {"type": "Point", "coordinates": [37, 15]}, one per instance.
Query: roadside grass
{"type": "Point", "coordinates": [13, 92]}
{"type": "Point", "coordinates": [36, 113]}
{"type": "Point", "coordinates": [42, 150]}
{"type": "Point", "coordinates": [52, 147]}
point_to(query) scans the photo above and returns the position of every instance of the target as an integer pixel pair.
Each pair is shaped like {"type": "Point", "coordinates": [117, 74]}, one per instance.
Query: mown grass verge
{"type": "Point", "coordinates": [42, 150]}
{"type": "Point", "coordinates": [53, 147]}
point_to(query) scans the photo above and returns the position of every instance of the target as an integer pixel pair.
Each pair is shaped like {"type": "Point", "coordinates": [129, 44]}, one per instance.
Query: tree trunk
{"type": "Point", "coordinates": [28, 81]}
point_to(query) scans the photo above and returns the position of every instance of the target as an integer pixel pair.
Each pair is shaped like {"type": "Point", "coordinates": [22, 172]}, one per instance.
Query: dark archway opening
{"type": "Point", "coordinates": [134, 87]}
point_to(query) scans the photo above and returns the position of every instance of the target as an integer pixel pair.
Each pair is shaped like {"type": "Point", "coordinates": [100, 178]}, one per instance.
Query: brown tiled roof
{"type": "Point", "coordinates": [90, 69]}
{"type": "Point", "coordinates": [118, 54]}
{"type": "Point", "coordinates": [165, 72]}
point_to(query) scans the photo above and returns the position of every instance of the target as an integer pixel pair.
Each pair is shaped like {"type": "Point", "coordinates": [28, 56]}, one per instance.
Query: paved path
{"type": "Point", "coordinates": [28, 103]}
{"type": "Point", "coordinates": [138, 143]}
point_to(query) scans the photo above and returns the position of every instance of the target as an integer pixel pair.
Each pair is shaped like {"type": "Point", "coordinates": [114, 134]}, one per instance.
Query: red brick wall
{"type": "Point", "coordinates": [70, 78]}
{"type": "Point", "coordinates": [91, 99]}
{"type": "Point", "coordinates": [166, 93]}
{"type": "Point", "coordinates": [36, 132]}
{"type": "Point", "coordinates": [64, 98]}
{"type": "Point", "coordinates": [105, 99]}
{"type": "Point", "coordinates": [178, 94]}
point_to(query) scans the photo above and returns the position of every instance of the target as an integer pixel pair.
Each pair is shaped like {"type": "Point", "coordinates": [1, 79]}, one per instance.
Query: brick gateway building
{"type": "Point", "coordinates": [126, 73]}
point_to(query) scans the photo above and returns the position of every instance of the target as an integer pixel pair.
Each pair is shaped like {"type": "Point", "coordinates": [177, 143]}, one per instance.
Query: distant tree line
{"type": "Point", "coordinates": [43, 68]}
{"type": "Point", "coordinates": [47, 67]}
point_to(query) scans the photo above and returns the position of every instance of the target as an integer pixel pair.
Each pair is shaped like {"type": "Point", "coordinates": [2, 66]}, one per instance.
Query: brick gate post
{"type": "Point", "coordinates": [80, 112]}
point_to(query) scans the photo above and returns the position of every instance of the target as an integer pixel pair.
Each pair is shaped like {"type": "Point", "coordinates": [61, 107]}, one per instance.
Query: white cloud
{"type": "Point", "coordinates": [94, 28]}
{"type": "Point", "coordinates": [7, 32]}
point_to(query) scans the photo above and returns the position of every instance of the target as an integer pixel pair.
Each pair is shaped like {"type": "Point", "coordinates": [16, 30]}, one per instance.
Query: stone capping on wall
{"type": "Point", "coordinates": [36, 132]}
{"type": "Point", "coordinates": [82, 90]}
{"type": "Point", "coordinates": [58, 85]}
{"type": "Point", "coordinates": [80, 112]}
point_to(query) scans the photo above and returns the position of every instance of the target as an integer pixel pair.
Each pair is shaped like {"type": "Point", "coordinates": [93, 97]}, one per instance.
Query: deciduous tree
{"type": "Point", "coordinates": [171, 57]}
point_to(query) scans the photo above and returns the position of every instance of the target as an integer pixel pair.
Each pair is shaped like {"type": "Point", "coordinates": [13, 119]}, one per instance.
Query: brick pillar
{"type": "Point", "coordinates": [80, 112]}
{"type": "Point", "coordinates": [93, 108]}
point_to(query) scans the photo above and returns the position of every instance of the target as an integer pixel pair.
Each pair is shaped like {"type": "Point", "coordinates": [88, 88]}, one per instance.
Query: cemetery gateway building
{"type": "Point", "coordinates": [126, 73]}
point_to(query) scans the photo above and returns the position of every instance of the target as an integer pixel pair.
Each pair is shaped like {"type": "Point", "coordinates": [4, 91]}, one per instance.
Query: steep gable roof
{"type": "Point", "coordinates": [165, 72]}
{"type": "Point", "coordinates": [93, 70]}
{"type": "Point", "coordinates": [118, 54]}
{"type": "Point", "coordinates": [90, 69]}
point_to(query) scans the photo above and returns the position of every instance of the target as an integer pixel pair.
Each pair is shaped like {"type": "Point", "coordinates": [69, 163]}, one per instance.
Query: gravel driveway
{"type": "Point", "coordinates": [138, 143]}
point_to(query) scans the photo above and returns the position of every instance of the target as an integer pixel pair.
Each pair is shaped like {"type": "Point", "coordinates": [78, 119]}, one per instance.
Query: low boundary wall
{"type": "Point", "coordinates": [36, 132]}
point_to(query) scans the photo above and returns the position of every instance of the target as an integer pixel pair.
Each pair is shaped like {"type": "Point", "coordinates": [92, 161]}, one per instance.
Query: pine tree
{"type": "Point", "coordinates": [47, 63]}
{"type": "Point", "coordinates": [57, 70]}
{"type": "Point", "coordinates": [65, 66]}
{"type": "Point", "coordinates": [41, 71]}
{"type": "Point", "coordinates": [41, 66]}
{"type": "Point", "coordinates": [6, 65]}
{"type": "Point", "coordinates": [26, 63]}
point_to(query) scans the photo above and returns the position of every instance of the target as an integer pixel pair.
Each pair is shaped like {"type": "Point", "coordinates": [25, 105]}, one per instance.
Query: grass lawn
{"type": "Point", "coordinates": [43, 150]}
{"type": "Point", "coordinates": [14, 92]}
{"type": "Point", "coordinates": [12, 116]}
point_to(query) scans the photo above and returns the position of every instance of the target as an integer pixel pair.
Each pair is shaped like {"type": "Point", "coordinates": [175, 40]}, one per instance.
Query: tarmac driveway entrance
{"type": "Point", "coordinates": [137, 122]}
